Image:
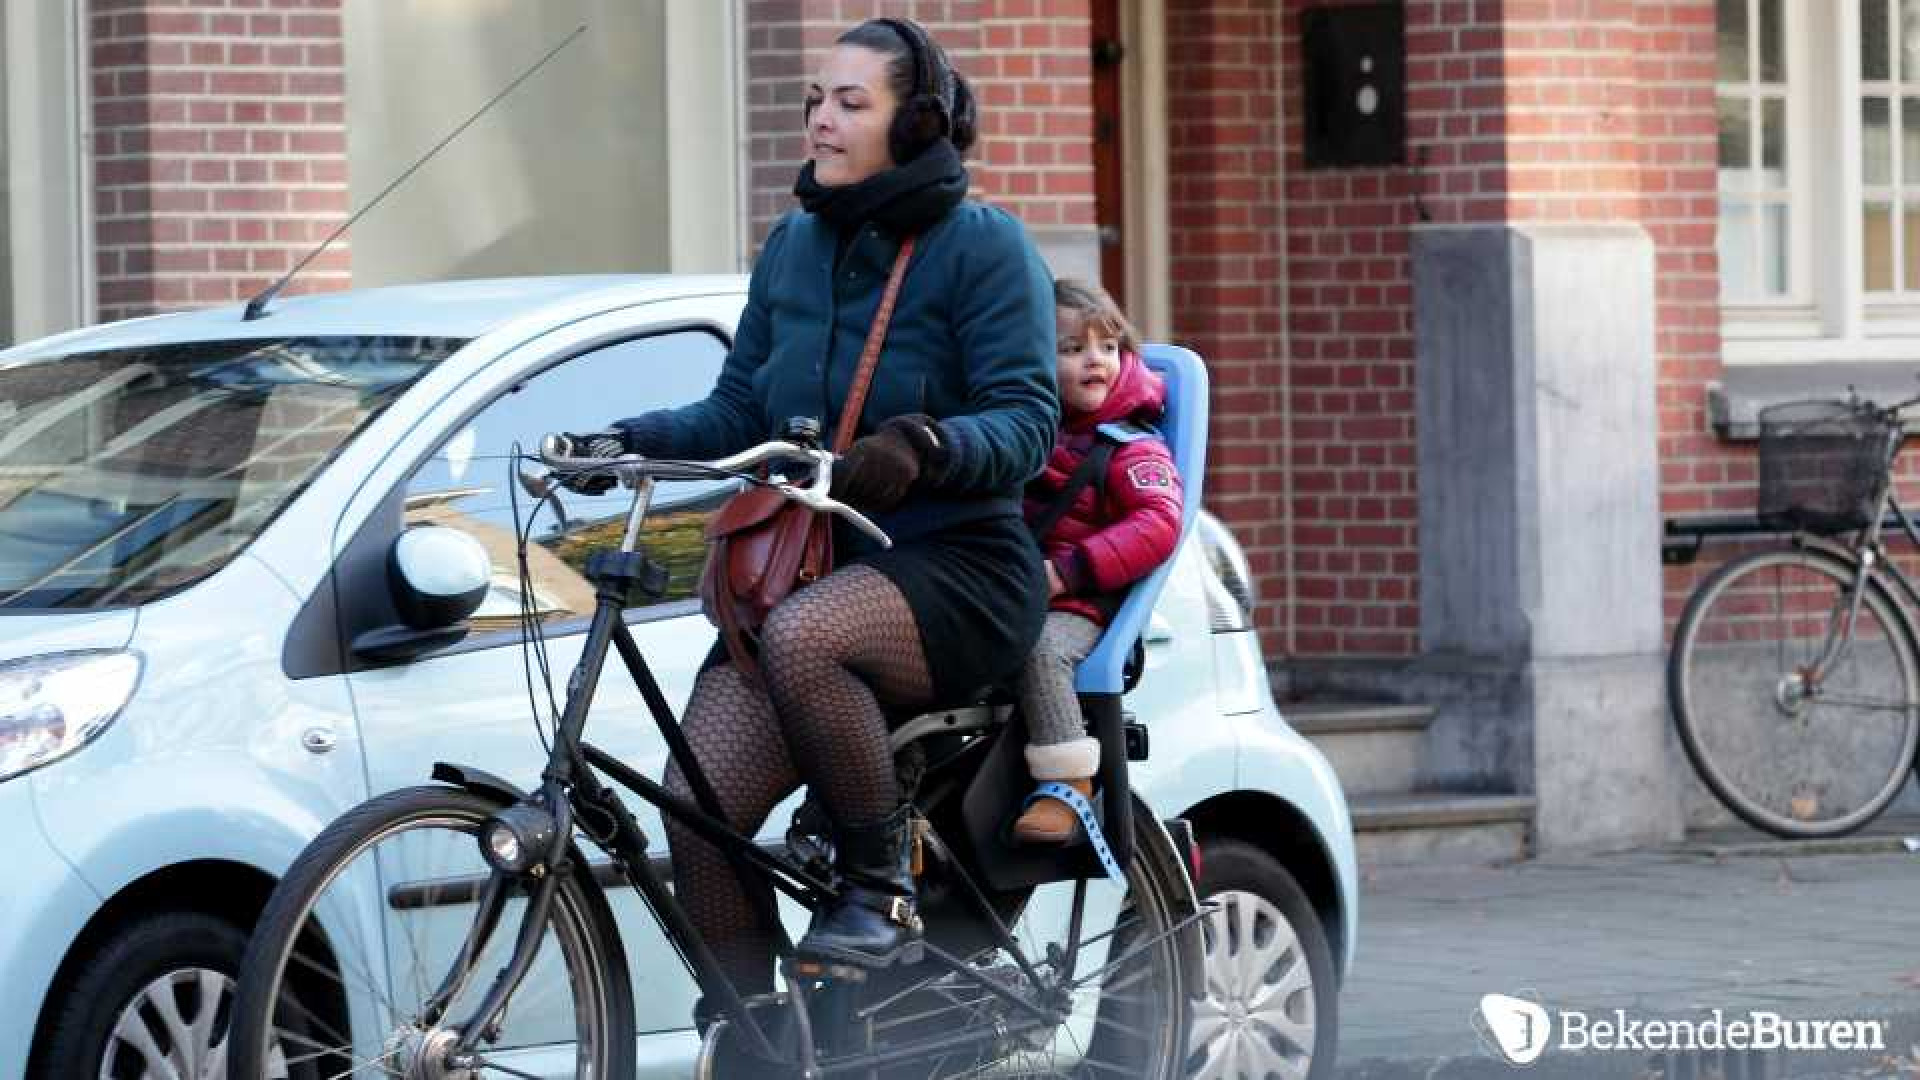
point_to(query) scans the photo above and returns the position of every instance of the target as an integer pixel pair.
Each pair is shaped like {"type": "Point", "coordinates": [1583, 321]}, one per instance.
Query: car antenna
{"type": "Point", "coordinates": [257, 307]}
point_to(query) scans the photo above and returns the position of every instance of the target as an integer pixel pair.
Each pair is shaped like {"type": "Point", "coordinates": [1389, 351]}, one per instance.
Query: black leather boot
{"type": "Point", "coordinates": [874, 924]}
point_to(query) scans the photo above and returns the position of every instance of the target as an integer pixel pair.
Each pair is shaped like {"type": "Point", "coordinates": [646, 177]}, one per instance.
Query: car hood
{"type": "Point", "coordinates": [35, 634]}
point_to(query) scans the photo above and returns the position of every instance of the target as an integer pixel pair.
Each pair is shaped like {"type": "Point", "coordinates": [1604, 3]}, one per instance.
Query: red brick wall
{"type": "Point", "coordinates": [1334, 535]}
{"type": "Point", "coordinates": [1678, 132]}
{"type": "Point", "coordinates": [219, 148]}
{"type": "Point", "coordinates": [1521, 111]}
{"type": "Point", "coordinates": [1028, 61]}
{"type": "Point", "coordinates": [1226, 244]}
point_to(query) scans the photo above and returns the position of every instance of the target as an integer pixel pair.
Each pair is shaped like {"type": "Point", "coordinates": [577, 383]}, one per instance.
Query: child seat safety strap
{"type": "Point", "coordinates": [1083, 810]}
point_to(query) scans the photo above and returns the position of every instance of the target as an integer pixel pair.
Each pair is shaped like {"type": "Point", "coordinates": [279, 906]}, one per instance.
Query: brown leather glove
{"type": "Point", "coordinates": [878, 471]}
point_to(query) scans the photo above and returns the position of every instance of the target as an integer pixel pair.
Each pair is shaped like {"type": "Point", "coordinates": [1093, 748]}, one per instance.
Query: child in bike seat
{"type": "Point", "coordinates": [1106, 511]}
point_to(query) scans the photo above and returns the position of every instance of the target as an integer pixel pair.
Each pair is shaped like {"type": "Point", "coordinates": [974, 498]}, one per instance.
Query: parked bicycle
{"type": "Point", "coordinates": [1795, 673]}
{"type": "Point", "coordinates": [459, 930]}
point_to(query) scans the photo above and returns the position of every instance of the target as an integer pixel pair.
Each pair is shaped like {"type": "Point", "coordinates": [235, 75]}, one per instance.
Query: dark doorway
{"type": "Point", "coordinates": [1109, 161]}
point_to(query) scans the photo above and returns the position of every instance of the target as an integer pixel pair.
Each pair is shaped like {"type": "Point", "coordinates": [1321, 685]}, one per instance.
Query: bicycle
{"type": "Point", "coordinates": [373, 955]}
{"type": "Point", "coordinates": [1794, 676]}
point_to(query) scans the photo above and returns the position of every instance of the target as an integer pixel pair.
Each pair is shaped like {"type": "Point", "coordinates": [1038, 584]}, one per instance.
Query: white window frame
{"type": "Point", "coordinates": [1828, 313]}
{"type": "Point", "coordinates": [1797, 304]}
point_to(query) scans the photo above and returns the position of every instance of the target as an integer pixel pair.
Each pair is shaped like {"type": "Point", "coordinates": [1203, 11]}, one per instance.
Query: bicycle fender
{"type": "Point", "coordinates": [1172, 855]}
{"type": "Point", "coordinates": [478, 781]}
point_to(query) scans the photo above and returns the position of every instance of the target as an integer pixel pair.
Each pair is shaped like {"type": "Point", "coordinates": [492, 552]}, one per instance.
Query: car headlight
{"type": "Point", "coordinates": [55, 704]}
{"type": "Point", "coordinates": [1234, 610]}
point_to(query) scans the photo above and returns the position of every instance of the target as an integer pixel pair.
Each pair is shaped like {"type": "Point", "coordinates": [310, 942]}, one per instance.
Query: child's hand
{"type": "Point", "coordinates": [1054, 585]}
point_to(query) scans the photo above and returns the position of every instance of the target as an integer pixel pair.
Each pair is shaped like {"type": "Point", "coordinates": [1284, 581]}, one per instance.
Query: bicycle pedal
{"type": "Point", "coordinates": [819, 970]}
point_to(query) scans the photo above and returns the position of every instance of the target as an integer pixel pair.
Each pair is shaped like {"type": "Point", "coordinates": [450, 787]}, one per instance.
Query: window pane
{"type": "Point", "coordinates": [1877, 251]}
{"type": "Point", "coordinates": [1911, 250]}
{"type": "Point", "coordinates": [1731, 16]}
{"type": "Point", "coordinates": [1905, 16]}
{"type": "Point", "coordinates": [1873, 39]}
{"type": "Point", "coordinates": [1773, 227]}
{"type": "Point", "coordinates": [1876, 141]}
{"type": "Point", "coordinates": [1736, 146]}
{"type": "Point", "coordinates": [1910, 142]}
{"type": "Point", "coordinates": [1773, 65]}
{"type": "Point", "coordinates": [1736, 249]}
{"type": "Point", "coordinates": [464, 484]}
{"type": "Point", "coordinates": [1773, 143]}
{"type": "Point", "coordinates": [130, 473]}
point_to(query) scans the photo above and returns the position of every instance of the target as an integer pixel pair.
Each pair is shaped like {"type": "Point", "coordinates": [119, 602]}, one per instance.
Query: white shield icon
{"type": "Point", "coordinates": [1518, 1028]}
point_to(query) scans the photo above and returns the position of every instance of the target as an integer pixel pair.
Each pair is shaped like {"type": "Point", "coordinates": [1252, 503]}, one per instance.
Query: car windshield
{"type": "Point", "coordinates": [131, 473]}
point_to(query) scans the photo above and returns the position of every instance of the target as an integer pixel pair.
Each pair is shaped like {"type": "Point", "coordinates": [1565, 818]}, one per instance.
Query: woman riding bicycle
{"type": "Point", "coordinates": [961, 412]}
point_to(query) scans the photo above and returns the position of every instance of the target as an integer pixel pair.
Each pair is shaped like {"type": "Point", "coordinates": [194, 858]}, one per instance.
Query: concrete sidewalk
{"type": "Point", "coordinates": [1829, 932]}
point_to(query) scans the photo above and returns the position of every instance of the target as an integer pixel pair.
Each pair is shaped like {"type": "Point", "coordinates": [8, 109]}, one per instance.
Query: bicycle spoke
{"type": "Point", "coordinates": [423, 841]}
{"type": "Point", "coordinates": [1796, 692]}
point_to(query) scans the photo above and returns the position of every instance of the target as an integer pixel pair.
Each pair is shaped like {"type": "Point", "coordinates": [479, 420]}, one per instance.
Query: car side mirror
{"type": "Point", "coordinates": [437, 577]}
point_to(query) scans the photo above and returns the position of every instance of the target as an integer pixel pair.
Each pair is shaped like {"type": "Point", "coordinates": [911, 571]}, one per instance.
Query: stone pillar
{"type": "Point", "coordinates": [1539, 521]}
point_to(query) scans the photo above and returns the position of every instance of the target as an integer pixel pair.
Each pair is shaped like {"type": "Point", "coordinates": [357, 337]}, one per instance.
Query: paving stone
{"type": "Point", "coordinates": [1659, 934]}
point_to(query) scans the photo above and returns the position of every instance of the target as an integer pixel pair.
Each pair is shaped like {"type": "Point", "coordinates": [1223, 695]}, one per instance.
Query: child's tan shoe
{"type": "Point", "coordinates": [1050, 822]}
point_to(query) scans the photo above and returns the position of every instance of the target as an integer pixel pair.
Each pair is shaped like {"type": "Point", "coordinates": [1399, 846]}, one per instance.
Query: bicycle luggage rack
{"type": "Point", "coordinates": [1682, 537]}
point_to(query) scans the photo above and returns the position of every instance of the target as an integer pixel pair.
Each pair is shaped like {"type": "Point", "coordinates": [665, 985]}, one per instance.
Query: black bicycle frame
{"type": "Point", "coordinates": [577, 797]}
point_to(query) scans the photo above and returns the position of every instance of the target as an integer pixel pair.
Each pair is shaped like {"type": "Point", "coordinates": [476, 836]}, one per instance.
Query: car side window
{"type": "Point", "coordinates": [465, 483]}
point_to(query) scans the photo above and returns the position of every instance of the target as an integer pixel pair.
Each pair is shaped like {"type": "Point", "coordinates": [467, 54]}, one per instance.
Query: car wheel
{"type": "Point", "coordinates": [1272, 1003]}
{"type": "Point", "coordinates": [151, 1001]}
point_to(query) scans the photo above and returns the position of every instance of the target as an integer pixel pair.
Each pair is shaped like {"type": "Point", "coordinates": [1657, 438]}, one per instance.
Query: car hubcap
{"type": "Point", "coordinates": [1257, 1020]}
{"type": "Point", "coordinates": [176, 1028]}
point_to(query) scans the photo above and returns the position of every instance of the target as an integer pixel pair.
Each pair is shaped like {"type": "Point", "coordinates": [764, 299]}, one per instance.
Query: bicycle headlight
{"type": "Point", "coordinates": [516, 838]}
{"type": "Point", "coordinates": [52, 705]}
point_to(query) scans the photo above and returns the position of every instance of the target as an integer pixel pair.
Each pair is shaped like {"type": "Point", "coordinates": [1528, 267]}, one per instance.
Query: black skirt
{"type": "Point", "coordinates": [978, 591]}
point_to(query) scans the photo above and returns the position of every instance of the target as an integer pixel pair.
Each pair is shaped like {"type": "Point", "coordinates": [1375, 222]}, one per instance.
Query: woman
{"type": "Point", "coordinates": [962, 411]}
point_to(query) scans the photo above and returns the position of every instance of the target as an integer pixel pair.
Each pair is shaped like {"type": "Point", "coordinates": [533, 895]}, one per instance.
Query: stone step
{"type": "Point", "coordinates": [1441, 827]}
{"type": "Point", "coordinates": [1374, 749]}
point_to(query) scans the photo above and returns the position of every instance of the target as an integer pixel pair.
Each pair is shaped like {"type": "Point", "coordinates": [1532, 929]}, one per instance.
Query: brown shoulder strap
{"type": "Point", "coordinates": [870, 356]}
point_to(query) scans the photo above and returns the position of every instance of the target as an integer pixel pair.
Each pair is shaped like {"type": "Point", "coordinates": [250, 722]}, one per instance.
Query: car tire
{"type": "Point", "coordinates": [1272, 1004]}
{"type": "Point", "coordinates": [187, 956]}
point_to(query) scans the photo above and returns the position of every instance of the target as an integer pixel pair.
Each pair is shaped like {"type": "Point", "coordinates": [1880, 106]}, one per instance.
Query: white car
{"type": "Point", "coordinates": [195, 517]}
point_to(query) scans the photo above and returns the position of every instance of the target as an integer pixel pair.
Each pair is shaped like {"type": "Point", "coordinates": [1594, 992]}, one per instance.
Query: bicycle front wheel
{"type": "Point", "coordinates": [372, 922]}
{"type": "Point", "coordinates": [1798, 713]}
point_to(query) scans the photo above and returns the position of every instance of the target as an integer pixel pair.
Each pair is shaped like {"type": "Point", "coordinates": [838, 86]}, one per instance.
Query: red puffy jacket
{"type": "Point", "coordinates": [1113, 538]}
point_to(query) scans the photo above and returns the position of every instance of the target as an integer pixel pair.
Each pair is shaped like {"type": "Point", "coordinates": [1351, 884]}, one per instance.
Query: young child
{"type": "Point", "coordinates": [1121, 524]}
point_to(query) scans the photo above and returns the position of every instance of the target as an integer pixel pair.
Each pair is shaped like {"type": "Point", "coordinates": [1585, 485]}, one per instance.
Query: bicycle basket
{"type": "Point", "coordinates": [1822, 464]}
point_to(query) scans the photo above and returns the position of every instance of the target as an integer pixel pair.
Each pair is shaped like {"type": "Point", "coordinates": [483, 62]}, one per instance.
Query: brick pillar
{"type": "Point", "coordinates": [219, 150]}
{"type": "Point", "coordinates": [1029, 64]}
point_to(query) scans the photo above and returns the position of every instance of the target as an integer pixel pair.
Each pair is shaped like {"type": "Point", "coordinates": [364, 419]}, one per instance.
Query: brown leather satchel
{"type": "Point", "coordinates": [764, 546]}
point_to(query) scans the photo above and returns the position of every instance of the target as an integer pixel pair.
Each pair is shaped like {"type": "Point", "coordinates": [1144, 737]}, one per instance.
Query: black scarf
{"type": "Point", "coordinates": [904, 199]}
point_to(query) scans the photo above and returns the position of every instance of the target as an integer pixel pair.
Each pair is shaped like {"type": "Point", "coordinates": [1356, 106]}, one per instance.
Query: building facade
{"type": "Point", "coordinates": [1489, 289]}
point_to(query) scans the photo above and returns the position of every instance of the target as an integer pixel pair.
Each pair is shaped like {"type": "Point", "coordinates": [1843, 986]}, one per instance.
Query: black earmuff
{"type": "Point", "coordinates": [927, 114]}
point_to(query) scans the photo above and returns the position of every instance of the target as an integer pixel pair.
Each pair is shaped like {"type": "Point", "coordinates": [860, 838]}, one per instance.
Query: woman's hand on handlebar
{"type": "Point", "coordinates": [879, 470]}
{"type": "Point", "coordinates": [592, 444]}
{"type": "Point", "coordinates": [569, 466]}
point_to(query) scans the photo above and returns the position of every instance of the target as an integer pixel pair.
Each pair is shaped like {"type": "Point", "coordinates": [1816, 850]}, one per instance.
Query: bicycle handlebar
{"type": "Point", "coordinates": [557, 452]}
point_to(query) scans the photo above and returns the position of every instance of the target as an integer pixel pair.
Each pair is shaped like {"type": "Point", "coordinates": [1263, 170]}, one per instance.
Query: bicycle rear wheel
{"type": "Point", "coordinates": [1789, 747]}
{"type": "Point", "coordinates": [1125, 1010]}
{"type": "Point", "coordinates": [369, 923]}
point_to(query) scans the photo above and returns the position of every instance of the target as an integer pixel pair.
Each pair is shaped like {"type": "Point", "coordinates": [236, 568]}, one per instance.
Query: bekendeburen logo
{"type": "Point", "coordinates": [1518, 1029]}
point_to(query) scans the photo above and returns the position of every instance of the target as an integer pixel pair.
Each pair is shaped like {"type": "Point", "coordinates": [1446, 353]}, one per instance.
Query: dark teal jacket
{"type": "Point", "coordinates": [971, 344]}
